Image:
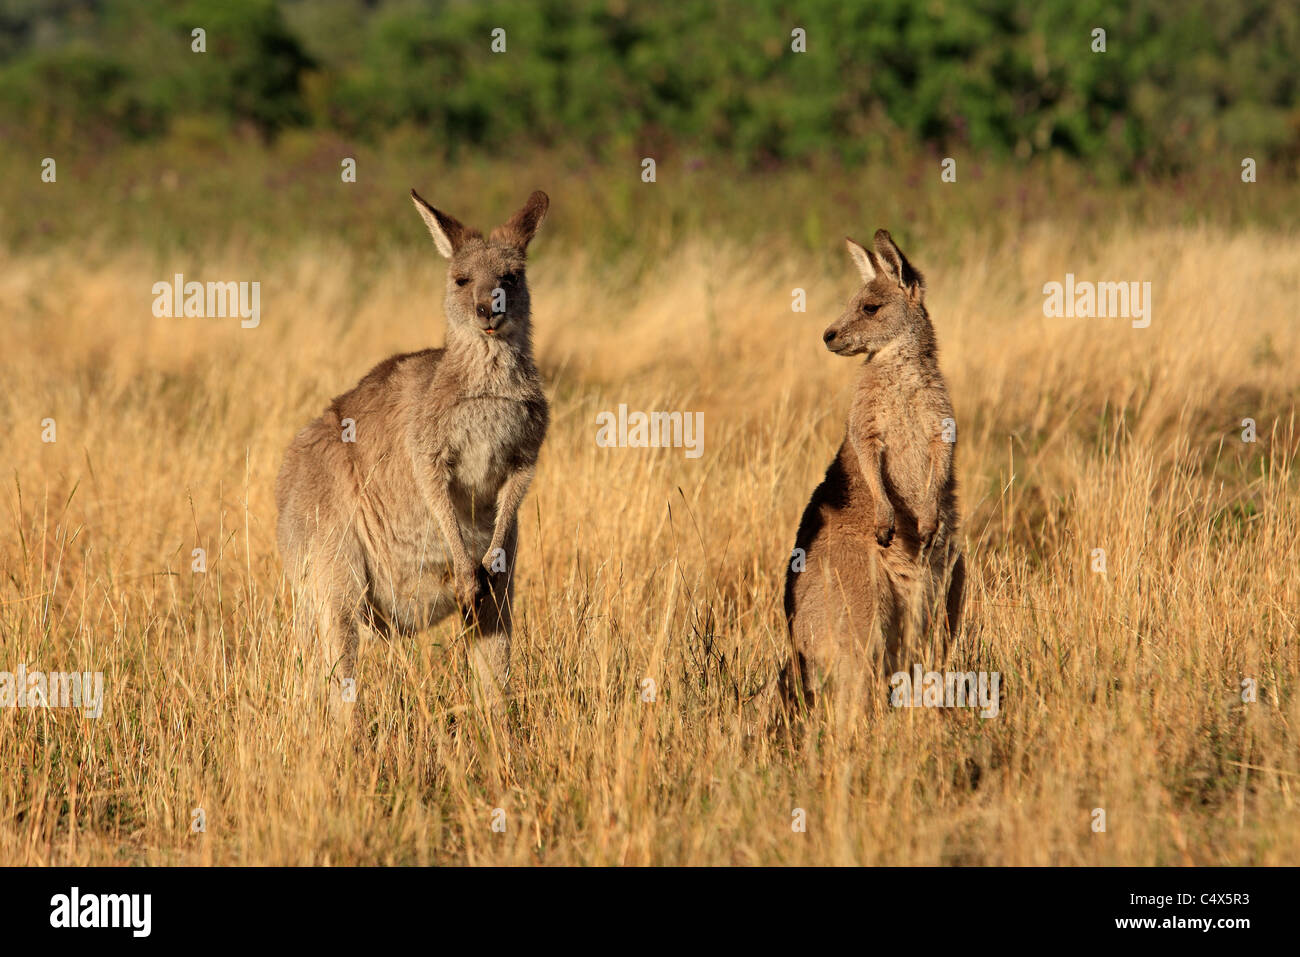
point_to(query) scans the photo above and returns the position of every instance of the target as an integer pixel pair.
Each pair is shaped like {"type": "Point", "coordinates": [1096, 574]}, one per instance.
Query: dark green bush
{"type": "Point", "coordinates": [1181, 85]}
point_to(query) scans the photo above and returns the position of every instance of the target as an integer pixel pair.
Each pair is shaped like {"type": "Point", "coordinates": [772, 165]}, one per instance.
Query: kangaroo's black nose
{"type": "Point", "coordinates": [482, 310]}
{"type": "Point", "coordinates": [828, 335]}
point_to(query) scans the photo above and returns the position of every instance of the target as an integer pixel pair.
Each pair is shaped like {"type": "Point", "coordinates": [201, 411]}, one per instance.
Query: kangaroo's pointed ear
{"type": "Point", "coordinates": [520, 228]}
{"type": "Point", "coordinates": [449, 234]}
{"type": "Point", "coordinates": [864, 259]}
{"type": "Point", "coordinates": [897, 267]}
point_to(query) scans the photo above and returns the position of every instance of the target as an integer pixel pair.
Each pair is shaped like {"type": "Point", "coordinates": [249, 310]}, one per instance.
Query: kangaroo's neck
{"type": "Point", "coordinates": [905, 351]}
{"type": "Point", "coordinates": [491, 365]}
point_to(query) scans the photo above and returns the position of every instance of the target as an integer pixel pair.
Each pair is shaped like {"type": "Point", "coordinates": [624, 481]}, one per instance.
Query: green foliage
{"type": "Point", "coordinates": [91, 73]}
{"type": "Point", "coordinates": [1180, 85]}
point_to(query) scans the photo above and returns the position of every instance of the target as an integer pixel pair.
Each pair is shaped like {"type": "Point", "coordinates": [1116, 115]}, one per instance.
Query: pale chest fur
{"type": "Point", "coordinates": [487, 437]}
{"type": "Point", "coordinates": [493, 426]}
{"type": "Point", "coordinates": [906, 411]}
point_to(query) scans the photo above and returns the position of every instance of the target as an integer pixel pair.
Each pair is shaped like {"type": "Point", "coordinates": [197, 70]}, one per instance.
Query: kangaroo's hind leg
{"type": "Point", "coordinates": [956, 592]}
{"type": "Point", "coordinates": [490, 627]}
{"type": "Point", "coordinates": [329, 593]}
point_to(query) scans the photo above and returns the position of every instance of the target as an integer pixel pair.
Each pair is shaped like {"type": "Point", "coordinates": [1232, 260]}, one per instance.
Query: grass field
{"type": "Point", "coordinates": [1120, 691]}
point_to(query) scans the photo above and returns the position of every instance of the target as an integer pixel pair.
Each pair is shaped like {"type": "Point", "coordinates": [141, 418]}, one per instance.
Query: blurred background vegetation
{"type": "Point", "coordinates": [711, 90]}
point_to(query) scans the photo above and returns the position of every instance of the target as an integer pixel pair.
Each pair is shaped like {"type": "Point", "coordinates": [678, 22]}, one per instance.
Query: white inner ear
{"type": "Point", "coordinates": [863, 261]}
{"type": "Point", "coordinates": [892, 268]}
{"type": "Point", "coordinates": [439, 237]}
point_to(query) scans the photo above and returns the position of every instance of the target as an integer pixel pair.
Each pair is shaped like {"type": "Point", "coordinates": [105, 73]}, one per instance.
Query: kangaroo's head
{"type": "Point", "coordinates": [487, 291]}
{"type": "Point", "coordinates": [889, 309]}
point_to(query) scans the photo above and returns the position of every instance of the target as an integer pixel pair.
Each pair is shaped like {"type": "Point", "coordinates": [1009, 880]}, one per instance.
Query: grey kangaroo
{"type": "Point", "coordinates": [397, 505]}
{"type": "Point", "coordinates": [876, 551]}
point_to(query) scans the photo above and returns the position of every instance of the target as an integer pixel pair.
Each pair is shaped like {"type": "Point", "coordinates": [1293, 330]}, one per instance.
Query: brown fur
{"type": "Point", "coordinates": [416, 519]}
{"type": "Point", "coordinates": [880, 533]}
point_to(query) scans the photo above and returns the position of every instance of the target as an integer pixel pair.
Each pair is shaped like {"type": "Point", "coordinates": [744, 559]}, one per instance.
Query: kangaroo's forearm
{"type": "Point", "coordinates": [940, 468]}
{"type": "Point", "coordinates": [443, 510]}
{"type": "Point", "coordinates": [435, 487]}
{"type": "Point", "coordinates": [870, 462]}
{"type": "Point", "coordinates": [509, 497]}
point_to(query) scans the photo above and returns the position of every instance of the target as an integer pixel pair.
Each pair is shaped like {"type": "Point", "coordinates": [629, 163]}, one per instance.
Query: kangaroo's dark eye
{"type": "Point", "coordinates": [461, 280]}
{"type": "Point", "coordinates": [869, 308]}
{"type": "Point", "coordinates": [509, 279]}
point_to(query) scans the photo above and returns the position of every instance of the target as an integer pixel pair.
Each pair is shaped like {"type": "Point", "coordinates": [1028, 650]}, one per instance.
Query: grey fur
{"type": "Point", "coordinates": [880, 533]}
{"type": "Point", "coordinates": [397, 530]}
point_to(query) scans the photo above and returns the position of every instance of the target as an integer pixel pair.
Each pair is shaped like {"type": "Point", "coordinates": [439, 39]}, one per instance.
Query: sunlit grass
{"type": "Point", "coordinates": [1120, 691]}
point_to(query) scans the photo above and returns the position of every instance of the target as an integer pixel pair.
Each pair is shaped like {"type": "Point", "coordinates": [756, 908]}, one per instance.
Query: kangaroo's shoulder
{"type": "Point", "coordinates": [384, 372]}
{"type": "Point", "coordinates": [384, 376]}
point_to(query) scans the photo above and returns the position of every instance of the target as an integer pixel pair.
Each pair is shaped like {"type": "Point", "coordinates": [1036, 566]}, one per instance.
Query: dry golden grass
{"type": "Point", "coordinates": [1120, 691]}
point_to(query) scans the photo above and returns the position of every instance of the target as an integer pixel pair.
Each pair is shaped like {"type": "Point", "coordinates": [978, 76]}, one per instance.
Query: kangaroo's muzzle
{"type": "Point", "coordinates": [488, 320]}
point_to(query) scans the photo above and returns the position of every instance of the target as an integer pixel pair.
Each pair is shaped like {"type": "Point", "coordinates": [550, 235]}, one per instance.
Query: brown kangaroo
{"type": "Point", "coordinates": [876, 548]}
{"type": "Point", "coordinates": [397, 506]}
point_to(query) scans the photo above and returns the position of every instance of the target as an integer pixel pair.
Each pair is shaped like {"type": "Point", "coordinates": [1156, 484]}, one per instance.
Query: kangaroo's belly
{"type": "Point", "coordinates": [408, 566]}
{"type": "Point", "coordinates": [409, 562]}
